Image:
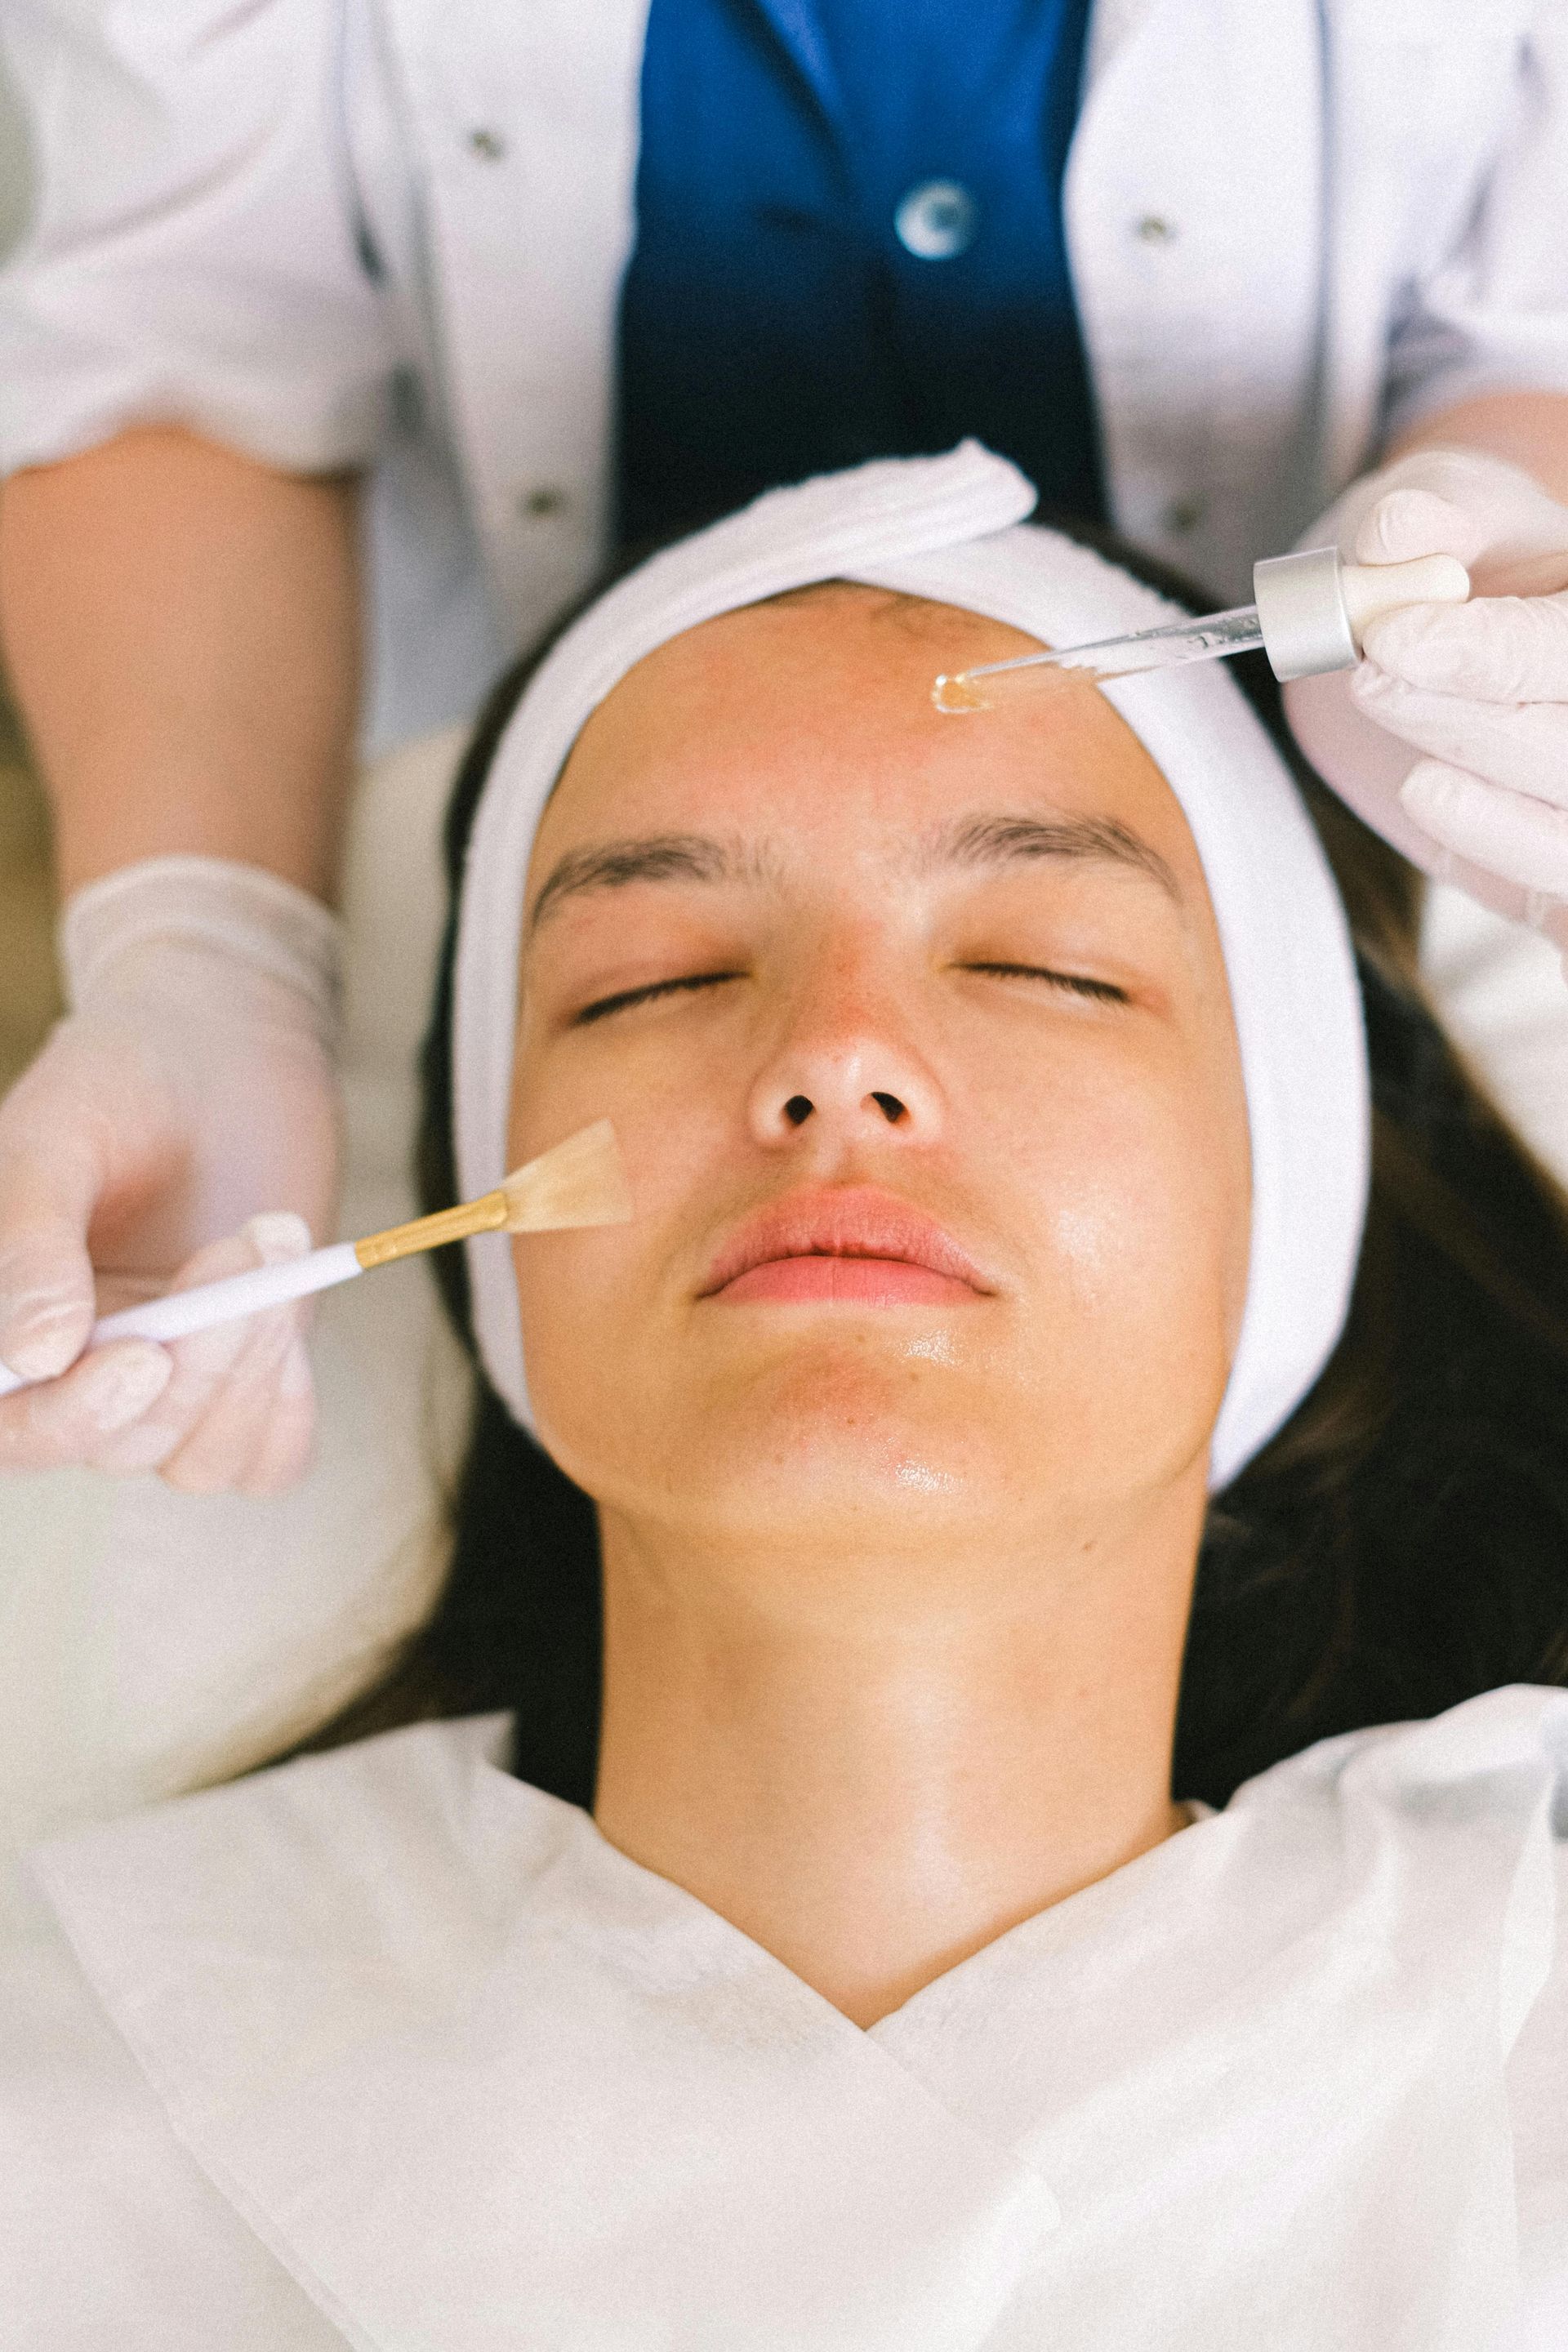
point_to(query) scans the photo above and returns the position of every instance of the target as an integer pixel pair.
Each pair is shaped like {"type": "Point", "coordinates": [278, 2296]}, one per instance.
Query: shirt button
{"type": "Point", "coordinates": [487, 144]}
{"type": "Point", "coordinates": [937, 221]}
{"type": "Point", "coordinates": [1154, 228]}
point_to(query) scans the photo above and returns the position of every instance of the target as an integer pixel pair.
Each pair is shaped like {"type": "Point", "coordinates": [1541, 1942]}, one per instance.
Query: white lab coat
{"type": "Point", "coordinates": [1291, 225]}
{"type": "Point", "coordinates": [389, 2049]}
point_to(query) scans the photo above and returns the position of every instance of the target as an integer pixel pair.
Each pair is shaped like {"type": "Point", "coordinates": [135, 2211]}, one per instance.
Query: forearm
{"type": "Point", "coordinates": [181, 626]}
{"type": "Point", "coordinates": [1530, 429]}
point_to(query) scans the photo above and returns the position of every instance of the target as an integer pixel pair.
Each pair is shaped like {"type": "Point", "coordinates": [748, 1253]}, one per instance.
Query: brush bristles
{"type": "Point", "coordinates": [581, 1182]}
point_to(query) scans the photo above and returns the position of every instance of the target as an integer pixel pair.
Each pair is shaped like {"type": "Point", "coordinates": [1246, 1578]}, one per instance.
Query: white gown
{"type": "Point", "coordinates": [388, 2049]}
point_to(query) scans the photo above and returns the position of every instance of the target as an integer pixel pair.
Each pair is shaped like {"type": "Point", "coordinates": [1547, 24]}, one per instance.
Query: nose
{"type": "Point", "coordinates": [846, 1073]}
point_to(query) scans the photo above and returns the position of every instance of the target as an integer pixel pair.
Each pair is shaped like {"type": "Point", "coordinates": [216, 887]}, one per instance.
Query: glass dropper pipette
{"type": "Point", "coordinates": [1312, 612]}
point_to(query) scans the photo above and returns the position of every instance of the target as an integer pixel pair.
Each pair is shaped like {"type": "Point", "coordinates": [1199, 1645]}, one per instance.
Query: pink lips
{"type": "Point", "coordinates": [845, 1247]}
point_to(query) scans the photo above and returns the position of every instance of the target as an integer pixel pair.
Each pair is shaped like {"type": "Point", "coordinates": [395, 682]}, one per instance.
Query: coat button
{"type": "Point", "coordinates": [539, 500]}
{"type": "Point", "coordinates": [1183, 515]}
{"type": "Point", "coordinates": [487, 144]}
{"type": "Point", "coordinates": [937, 221]}
{"type": "Point", "coordinates": [1154, 228]}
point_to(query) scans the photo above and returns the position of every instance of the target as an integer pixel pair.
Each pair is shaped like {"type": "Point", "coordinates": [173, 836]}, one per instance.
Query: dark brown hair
{"type": "Point", "coordinates": [1401, 1545]}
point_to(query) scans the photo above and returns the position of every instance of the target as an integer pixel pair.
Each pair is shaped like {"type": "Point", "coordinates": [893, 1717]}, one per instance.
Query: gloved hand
{"type": "Point", "coordinates": [190, 1085]}
{"type": "Point", "coordinates": [1451, 737]}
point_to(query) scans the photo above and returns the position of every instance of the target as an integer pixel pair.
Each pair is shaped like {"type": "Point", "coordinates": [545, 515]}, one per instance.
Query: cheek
{"type": "Point", "coordinates": [596, 1305]}
{"type": "Point", "coordinates": [663, 1078]}
{"type": "Point", "coordinates": [580, 1342]}
{"type": "Point", "coordinates": [1134, 1187]}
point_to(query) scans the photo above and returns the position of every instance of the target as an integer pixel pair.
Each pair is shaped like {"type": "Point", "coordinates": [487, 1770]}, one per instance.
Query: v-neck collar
{"type": "Point", "coordinates": [476, 2077]}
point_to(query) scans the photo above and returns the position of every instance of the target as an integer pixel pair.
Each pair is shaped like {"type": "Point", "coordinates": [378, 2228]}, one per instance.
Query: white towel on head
{"type": "Point", "coordinates": [951, 529]}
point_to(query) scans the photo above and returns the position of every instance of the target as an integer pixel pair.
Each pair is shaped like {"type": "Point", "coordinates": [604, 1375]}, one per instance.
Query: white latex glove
{"type": "Point", "coordinates": [190, 1085]}
{"type": "Point", "coordinates": [1451, 737]}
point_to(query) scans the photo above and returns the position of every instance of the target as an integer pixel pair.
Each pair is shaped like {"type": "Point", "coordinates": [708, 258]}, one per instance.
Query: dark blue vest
{"type": "Point", "coordinates": [849, 245]}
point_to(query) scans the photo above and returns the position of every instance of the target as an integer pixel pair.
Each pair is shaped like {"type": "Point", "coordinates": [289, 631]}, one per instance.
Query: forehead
{"type": "Point", "coordinates": [809, 719]}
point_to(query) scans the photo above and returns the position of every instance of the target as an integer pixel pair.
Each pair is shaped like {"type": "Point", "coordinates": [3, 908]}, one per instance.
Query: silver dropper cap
{"type": "Point", "coordinates": [1314, 608]}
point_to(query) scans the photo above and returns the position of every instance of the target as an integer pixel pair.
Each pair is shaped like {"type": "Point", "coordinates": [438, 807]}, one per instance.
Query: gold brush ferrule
{"type": "Point", "coordinates": [487, 1215]}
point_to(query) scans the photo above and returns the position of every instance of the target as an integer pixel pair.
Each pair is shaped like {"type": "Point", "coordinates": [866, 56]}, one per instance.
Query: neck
{"type": "Point", "coordinates": [871, 1791]}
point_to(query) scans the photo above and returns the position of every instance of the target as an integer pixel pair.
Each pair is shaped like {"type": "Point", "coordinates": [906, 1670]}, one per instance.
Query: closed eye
{"type": "Point", "coordinates": [623, 1002]}
{"type": "Point", "coordinates": [1075, 983]}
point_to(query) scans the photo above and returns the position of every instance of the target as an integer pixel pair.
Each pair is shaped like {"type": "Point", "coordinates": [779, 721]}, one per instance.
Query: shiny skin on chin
{"type": "Point", "coordinates": [916, 1036]}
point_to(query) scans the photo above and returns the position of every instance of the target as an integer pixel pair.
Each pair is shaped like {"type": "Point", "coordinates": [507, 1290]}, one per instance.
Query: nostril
{"type": "Point", "coordinates": [891, 1108]}
{"type": "Point", "coordinates": [797, 1110]}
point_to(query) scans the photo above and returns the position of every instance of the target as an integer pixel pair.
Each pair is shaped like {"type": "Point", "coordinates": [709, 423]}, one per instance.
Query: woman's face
{"type": "Point", "coordinates": [916, 1035]}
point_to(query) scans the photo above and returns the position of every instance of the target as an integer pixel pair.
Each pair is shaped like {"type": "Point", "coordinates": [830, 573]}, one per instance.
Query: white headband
{"type": "Point", "coordinates": [950, 528]}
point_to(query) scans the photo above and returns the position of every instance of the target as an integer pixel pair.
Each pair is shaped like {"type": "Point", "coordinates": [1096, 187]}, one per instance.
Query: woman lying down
{"type": "Point", "coordinates": [998, 1787]}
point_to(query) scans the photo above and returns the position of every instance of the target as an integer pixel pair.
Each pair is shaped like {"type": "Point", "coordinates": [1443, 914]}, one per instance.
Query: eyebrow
{"type": "Point", "coordinates": [1009, 838]}
{"type": "Point", "coordinates": [654, 857]}
{"type": "Point", "coordinates": [1003, 838]}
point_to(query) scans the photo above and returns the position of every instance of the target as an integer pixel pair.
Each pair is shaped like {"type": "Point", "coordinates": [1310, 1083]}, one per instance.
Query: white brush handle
{"type": "Point", "coordinates": [184, 1311]}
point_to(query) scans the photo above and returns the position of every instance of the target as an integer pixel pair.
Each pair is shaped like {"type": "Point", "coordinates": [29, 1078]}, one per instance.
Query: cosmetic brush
{"type": "Point", "coordinates": [579, 1183]}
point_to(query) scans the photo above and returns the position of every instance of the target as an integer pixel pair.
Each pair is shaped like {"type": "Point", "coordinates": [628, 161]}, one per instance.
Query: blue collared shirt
{"type": "Point", "coordinates": [849, 245]}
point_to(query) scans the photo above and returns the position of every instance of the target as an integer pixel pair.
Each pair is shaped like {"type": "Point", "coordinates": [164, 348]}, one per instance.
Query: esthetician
{"type": "Point", "coordinates": [349, 334]}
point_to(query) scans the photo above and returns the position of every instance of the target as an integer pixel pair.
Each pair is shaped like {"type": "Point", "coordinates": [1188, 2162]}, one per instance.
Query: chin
{"type": "Point", "coordinates": [841, 1504]}
{"type": "Point", "coordinates": [827, 1443]}
{"type": "Point", "coordinates": [846, 1381]}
